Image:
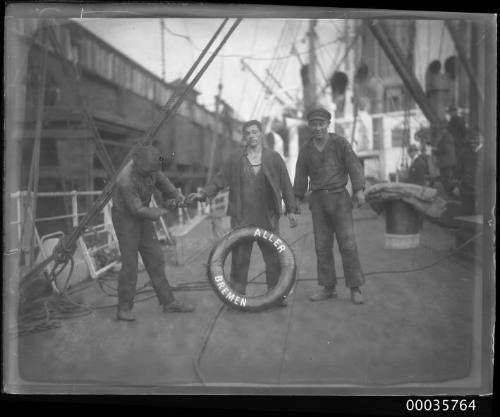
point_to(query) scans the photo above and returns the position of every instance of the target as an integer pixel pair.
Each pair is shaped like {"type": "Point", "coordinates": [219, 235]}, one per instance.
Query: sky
{"type": "Point", "coordinates": [260, 39]}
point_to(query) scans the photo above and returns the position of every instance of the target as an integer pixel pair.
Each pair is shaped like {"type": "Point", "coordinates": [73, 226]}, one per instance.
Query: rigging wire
{"type": "Point", "coordinates": [272, 69]}
{"type": "Point", "coordinates": [251, 57]}
{"type": "Point", "coordinates": [168, 110]}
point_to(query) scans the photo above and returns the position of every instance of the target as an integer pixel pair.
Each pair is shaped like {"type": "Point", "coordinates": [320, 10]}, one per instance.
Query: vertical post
{"type": "Point", "coordinates": [215, 135]}
{"type": "Point", "coordinates": [180, 213]}
{"type": "Point", "coordinates": [74, 207]}
{"type": "Point", "coordinates": [31, 204]}
{"type": "Point", "coordinates": [312, 62]}
{"type": "Point", "coordinates": [198, 206]}
{"type": "Point", "coordinates": [162, 38]}
{"type": "Point", "coordinates": [16, 60]}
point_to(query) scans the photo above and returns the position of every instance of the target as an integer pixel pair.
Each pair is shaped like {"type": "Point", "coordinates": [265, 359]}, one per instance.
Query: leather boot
{"type": "Point", "coordinates": [356, 296]}
{"type": "Point", "coordinates": [177, 306]}
{"type": "Point", "coordinates": [125, 315]}
{"type": "Point", "coordinates": [324, 294]}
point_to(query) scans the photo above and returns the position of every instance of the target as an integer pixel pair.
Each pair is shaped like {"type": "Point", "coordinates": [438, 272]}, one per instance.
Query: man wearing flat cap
{"type": "Point", "coordinates": [324, 164]}
{"type": "Point", "coordinates": [133, 222]}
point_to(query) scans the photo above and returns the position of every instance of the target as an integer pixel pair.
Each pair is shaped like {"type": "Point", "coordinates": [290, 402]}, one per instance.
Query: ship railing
{"type": "Point", "coordinates": [101, 255]}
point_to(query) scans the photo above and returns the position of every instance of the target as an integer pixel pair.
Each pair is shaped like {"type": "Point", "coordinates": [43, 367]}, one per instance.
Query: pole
{"type": "Point", "coordinates": [35, 162]}
{"type": "Point", "coordinates": [215, 133]}
{"type": "Point", "coordinates": [312, 63]}
{"type": "Point", "coordinates": [162, 39]}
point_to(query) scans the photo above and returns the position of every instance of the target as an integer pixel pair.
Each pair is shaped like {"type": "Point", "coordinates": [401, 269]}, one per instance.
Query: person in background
{"type": "Point", "coordinates": [133, 222]}
{"type": "Point", "coordinates": [258, 180]}
{"type": "Point", "coordinates": [418, 172]}
{"type": "Point", "coordinates": [324, 164]}
{"type": "Point", "coordinates": [446, 157]}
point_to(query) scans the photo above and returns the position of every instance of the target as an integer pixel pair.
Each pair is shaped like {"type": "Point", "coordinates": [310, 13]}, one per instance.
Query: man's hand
{"type": "Point", "coordinates": [180, 200]}
{"type": "Point", "coordinates": [292, 219]}
{"type": "Point", "coordinates": [359, 198]}
{"type": "Point", "coordinates": [200, 196]}
{"type": "Point", "coordinates": [158, 212]}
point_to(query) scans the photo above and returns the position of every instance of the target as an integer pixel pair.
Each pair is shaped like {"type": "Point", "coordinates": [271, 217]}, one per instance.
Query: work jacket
{"type": "Point", "coordinates": [328, 170]}
{"type": "Point", "coordinates": [419, 171]}
{"type": "Point", "coordinates": [133, 192]}
{"type": "Point", "coordinates": [276, 175]}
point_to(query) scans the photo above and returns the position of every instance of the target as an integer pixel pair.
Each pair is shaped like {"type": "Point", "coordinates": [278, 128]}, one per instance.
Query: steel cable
{"type": "Point", "coordinates": [166, 114]}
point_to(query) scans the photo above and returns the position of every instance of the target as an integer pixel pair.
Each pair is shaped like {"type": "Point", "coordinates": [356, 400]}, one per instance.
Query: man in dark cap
{"type": "Point", "coordinates": [325, 162]}
{"type": "Point", "coordinates": [258, 180]}
{"type": "Point", "coordinates": [445, 155]}
{"type": "Point", "coordinates": [133, 222]}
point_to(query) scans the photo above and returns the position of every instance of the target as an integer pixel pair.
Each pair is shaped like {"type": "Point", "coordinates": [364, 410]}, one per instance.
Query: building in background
{"type": "Point", "coordinates": [123, 98]}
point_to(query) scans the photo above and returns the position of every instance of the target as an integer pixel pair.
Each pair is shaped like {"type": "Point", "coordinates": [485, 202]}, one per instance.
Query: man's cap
{"type": "Point", "coordinates": [452, 109]}
{"type": "Point", "coordinates": [319, 114]}
{"type": "Point", "coordinates": [147, 158]}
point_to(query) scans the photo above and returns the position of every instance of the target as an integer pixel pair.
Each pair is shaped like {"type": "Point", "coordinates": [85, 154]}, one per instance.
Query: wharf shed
{"type": "Point", "coordinates": [123, 99]}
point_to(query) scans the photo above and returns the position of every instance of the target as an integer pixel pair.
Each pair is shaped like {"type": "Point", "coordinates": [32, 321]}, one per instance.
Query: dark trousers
{"type": "Point", "coordinates": [135, 236]}
{"type": "Point", "coordinates": [240, 261]}
{"type": "Point", "coordinates": [332, 214]}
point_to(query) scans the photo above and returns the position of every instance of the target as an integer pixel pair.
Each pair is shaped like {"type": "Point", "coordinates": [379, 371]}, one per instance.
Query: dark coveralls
{"type": "Point", "coordinates": [254, 199]}
{"type": "Point", "coordinates": [133, 222]}
{"type": "Point", "coordinates": [331, 205]}
{"type": "Point", "coordinates": [419, 171]}
{"type": "Point", "coordinates": [419, 174]}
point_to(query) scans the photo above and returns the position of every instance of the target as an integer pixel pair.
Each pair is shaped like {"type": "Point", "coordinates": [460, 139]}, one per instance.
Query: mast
{"type": "Point", "coordinates": [162, 38]}
{"type": "Point", "coordinates": [218, 103]}
{"type": "Point", "coordinates": [313, 98]}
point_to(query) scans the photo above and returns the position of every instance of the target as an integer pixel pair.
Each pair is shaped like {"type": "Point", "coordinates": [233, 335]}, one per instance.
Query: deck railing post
{"type": "Point", "coordinates": [180, 213]}
{"type": "Point", "coordinates": [74, 207]}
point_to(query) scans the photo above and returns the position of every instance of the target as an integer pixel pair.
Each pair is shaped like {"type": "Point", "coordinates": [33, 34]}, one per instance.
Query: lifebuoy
{"type": "Point", "coordinates": [231, 297]}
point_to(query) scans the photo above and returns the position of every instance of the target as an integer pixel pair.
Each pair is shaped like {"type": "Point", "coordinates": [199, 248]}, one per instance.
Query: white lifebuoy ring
{"type": "Point", "coordinates": [231, 297]}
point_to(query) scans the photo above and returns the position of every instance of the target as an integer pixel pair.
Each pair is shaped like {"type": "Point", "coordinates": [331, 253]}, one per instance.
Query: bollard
{"type": "Point", "coordinates": [402, 226]}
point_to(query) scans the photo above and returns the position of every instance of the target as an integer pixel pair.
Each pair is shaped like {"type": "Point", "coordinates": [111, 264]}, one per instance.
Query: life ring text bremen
{"type": "Point", "coordinates": [233, 298]}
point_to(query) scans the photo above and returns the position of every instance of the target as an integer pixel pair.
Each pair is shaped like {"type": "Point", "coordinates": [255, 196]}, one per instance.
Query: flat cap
{"type": "Point", "coordinates": [319, 114]}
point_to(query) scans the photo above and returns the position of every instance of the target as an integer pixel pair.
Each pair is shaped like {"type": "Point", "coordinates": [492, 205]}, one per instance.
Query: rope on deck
{"type": "Point", "coordinates": [211, 325]}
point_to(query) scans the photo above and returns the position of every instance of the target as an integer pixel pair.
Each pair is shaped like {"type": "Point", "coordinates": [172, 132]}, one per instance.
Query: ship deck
{"type": "Point", "coordinates": [419, 328]}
